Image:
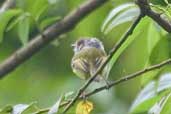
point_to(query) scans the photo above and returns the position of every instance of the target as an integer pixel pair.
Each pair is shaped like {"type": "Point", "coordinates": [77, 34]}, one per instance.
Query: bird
{"type": "Point", "coordinates": [89, 55]}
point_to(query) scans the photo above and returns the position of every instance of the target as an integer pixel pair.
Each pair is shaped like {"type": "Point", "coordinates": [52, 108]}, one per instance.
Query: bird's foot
{"type": "Point", "coordinates": [107, 83]}
{"type": "Point", "coordinates": [83, 96]}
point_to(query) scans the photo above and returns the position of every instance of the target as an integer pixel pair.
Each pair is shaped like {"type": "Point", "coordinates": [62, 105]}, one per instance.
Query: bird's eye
{"type": "Point", "coordinates": [81, 42]}
{"type": "Point", "coordinates": [80, 46]}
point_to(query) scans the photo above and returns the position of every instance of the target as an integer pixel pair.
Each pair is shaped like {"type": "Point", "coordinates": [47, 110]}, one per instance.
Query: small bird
{"type": "Point", "coordinates": [89, 54]}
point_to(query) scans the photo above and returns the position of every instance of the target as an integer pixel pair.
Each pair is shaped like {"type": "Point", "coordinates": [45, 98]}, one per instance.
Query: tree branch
{"type": "Point", "coordinates": [129, 77]}
{"type": "Point", "coordinates": [114, 83]}
{"type": "Point", "coordinates": [67, 24]}
{"type": "Point", "coordinates": [40, 41]}
{"type": "Point", "coordinates": [110, 55]}
{"type": "Point", "coordinates": [145, 10]}
{"type": "Point", "coordinates": [6, 5]}
{"type": "Point", "coordinates": [145, 7]}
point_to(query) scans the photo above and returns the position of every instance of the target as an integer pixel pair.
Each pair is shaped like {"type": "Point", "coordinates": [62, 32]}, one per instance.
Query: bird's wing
{"type": "Point", "coordinates": [105, 72]}
{"type": "Point", "coordinates": [81, 67]}
{"type": "Point", "coordinates": [96, 64]}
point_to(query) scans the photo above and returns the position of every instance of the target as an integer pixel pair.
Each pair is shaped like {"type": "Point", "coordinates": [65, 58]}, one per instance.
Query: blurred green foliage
{"type": "Point", "coordinates": [48, 75]}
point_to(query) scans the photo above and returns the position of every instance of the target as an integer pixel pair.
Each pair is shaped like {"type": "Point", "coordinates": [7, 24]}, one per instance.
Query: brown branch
{"type": "Point", "coordinates": [145, 7]}
{"type": "Point", "coordinates": [63, 26]}
{"type": "Point", "coordinates": [6, 5]}
{"type": "Point", "coordinates": [40, 41]}
{"type": "Point", "coordinates": [110, 55]}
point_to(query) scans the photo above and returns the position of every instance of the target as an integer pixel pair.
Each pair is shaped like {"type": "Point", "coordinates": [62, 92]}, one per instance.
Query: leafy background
{"type": "Point", "coordinates": [48, 75]}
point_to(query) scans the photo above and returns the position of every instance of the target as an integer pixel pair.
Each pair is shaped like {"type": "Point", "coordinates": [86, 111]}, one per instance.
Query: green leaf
{"type": "Point", "coordinates": [166, 108]}
{"type": "Point", "coordinates": [145, 105]}
{"type": "Point", "coordinates": [6, 109]}
{"type": "Point", "coordinates": [150, 94]}
{"type": "Point", "coordinates": [153, 37]}
{"type": "Point", "coordinates": [114, 13]}
{"type": "Point", "coordinates": [13, 24]}
{"type": "Point", "coordinates": [160, 52]}
{"type": "Point", "coordinates": [5, 17]}
{"type": "Point", "coordinates": [19, 108]}
{"type": "Point", "coordinates": [17, 20]}
{"type": "Point", "coordinates": [55, 107]}
{"type": "Point", "coordinates": [48, 22]}
{"type": "Point", "coordinates": [147, 93]}
{"type": "Point", "coordinates": [30, 109]}
{"type": "Point", "coordinates": [38, 8]}
{"type": "Point", "coordinates": [158, 2]}
{"type": "Point", "coordinates": [128, 15]}
{"type": "Point", "coordinates": [40, 12]}
{"type": "Point", "coordinates": [23, 29]}
{"type": "Point", "coordinates": [147, 77]}
{"type": "Point", "coordinates": [137, 34]}
{"type": "Point", "coordinates": [166, 1]}
{"type": "Point", "coordinates": [158, 107]}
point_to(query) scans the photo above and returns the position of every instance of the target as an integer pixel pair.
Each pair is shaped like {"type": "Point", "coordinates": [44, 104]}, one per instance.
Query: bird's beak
{"type": "Point", "coordinates": [73, 45]}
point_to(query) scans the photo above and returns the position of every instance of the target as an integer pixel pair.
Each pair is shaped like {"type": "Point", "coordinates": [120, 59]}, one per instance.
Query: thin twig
{"type": "Point", "coordinates": [6, 5]}
{"type": "Point", "coordinates": [47, 109]}
{"type": "Point", "coordinates": [114, 83]}
{"type": "Point", "coordinates": [111, 53]}
{"type": "Point", "coordinates": [129, 77]}
{"type": "Point", "coordinates": [145, 10]}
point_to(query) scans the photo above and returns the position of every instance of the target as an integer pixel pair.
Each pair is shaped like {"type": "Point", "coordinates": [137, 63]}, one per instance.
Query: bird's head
{"type": "Point", "coordinates": [87, 43]}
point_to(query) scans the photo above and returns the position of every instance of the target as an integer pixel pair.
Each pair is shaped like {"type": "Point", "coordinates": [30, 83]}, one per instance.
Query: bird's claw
{"type": "Point", "coordinates": [83, 96]}
{"type": "Point", "coordinates": [107, 84]}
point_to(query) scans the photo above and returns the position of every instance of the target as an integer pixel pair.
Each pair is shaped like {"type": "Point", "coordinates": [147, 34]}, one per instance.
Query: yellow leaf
{"type": "Point", "coordinates": [84, 107]}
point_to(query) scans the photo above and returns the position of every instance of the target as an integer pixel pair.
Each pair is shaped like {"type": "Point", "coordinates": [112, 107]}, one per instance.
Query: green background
{"type": "Point", "coordinates": [47, 74]}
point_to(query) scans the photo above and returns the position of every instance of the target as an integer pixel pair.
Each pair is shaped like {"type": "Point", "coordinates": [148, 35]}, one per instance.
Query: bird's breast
{"type": "Point", "coordinates": [90, 53]}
